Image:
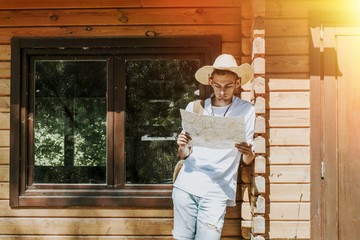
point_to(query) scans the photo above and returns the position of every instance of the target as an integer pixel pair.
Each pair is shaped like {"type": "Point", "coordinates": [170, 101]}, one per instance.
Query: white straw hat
{"type": "Point", "coordinates": [225, 62]}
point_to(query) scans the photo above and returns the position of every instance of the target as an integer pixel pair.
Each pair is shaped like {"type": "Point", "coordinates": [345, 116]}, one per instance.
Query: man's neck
{"type": "Point", "coordinates": [220, 102]}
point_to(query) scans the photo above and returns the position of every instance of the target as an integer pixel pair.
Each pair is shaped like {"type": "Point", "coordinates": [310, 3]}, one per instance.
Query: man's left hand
{"type": "Point", "coordinates": [244, 148]}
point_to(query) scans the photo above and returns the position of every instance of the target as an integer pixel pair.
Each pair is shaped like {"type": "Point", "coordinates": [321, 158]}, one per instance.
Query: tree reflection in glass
{"type": "Point", "coordinates": [70, 121]}
{"type": "Point", "coordinates": [155, 90]}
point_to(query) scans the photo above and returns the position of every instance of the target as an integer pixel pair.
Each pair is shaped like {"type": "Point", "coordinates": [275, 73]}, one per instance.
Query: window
{"type": "Point", "coordinates": [93, 121]}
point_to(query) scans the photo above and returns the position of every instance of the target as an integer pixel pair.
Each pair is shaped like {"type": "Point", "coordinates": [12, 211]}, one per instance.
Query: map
{"type": "Point", "coordinates": [213, 132]}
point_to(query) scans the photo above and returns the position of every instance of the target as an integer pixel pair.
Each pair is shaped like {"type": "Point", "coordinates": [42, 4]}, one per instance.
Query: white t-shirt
{"type": "Point", "coordinates": [212, 173]}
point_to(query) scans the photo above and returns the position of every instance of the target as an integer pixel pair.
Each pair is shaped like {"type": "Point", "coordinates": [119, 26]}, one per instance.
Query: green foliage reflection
{"type": "Point", "coordinates": [155, 90]}
{"type": "Point", "coordinates": [70, 121]}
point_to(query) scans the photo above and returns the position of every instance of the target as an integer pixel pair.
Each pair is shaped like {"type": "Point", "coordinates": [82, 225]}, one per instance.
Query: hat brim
{"type": "Point", "coordinates": [244, 71]}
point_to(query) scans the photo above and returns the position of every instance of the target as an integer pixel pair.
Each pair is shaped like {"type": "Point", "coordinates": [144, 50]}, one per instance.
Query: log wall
{"type": "Point", "coordinates": [287, 112]}
{"type": "Point", "coordinates": [90, 18]}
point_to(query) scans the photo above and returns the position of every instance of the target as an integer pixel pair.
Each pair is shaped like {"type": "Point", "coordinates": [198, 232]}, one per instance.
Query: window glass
{"type": "Point", "coordinates": [70, 121]}
{"type": "Point", "coordinates": [155, 90]}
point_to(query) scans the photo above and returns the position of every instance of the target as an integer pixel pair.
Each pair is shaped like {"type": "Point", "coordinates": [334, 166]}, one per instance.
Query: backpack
{"type": "Point", "coordinates": [199, 109]}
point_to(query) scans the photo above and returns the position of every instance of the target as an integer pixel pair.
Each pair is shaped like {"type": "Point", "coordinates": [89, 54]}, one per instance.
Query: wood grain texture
{"type": "Point", "coordinates": [4, 104]}
{"type": "Point", "coordinates": [4, 87]}
{"type": "Point", "coordinates": [228, 33]}
{"type": "Point", "coordinates": [115, 17]}
{"type": "Point", "coordinates": [293, 192]}
{"type": "Point", "coordinates": [5, 53]}
{"type": "Point", "coordinates": [4, 69]}
{"type": "Point", "coordinates": [4, 173]}
{"type": "Point", "coordinates": [4, 138]}
{"type": "Point", "coordinates": [289, 136]}
{"type": "Point", "coordinates": [100, 226]}
{"type": "Point", "coordinates": [281, 211]}
{"type": "Point", "coordinates": [289, 100]}
{"type": "Point", "coordinates": [4, 155]}
{"type": "Point", "coordinates": [289, 155]}
{"type": "Point", "coordinates": [69, 4]}
{"type": "Point", "coordinates": [4, 122]}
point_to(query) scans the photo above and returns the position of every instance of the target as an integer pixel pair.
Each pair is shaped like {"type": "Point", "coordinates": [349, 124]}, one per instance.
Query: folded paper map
{"type": "Point", "coordinates": [213, 132]}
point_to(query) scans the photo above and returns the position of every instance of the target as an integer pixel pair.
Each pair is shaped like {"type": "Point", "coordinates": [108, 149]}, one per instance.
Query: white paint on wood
{"type": "Point", "coordinates": [259, 205]}
{"type": "Point", "coordinates": [259, 145]}
{"type": "Point", "coordinates": [258, 46]}
{"type": "Point", "coordinates": [260, 125]}
{"type": "Point", "coordinates": [259, 185]}
{"type": "Point", "coordinates": [258, 65]}
{"type": "Point", "coordinates": [260, 165]}
{"type": "Point", "coordinates": [258, 224]}
{"type": "Point", "coordinates": [259, 85]}
{"type": "Point", "coordinates": [260, 107]}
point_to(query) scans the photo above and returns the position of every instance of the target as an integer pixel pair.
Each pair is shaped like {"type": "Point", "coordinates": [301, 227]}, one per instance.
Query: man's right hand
{"type": "Point", "coordinates": [183, 143]}
{"type": "Point", "coordinates": [183, 139]}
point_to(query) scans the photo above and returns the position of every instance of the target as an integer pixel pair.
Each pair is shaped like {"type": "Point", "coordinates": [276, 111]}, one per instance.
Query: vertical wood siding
{"type": "Point", "coordinates": [136, 18]}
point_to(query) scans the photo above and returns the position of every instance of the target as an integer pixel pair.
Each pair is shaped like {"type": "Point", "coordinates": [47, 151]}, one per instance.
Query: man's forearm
{"type": "Point", "coordinates": [248, 158]}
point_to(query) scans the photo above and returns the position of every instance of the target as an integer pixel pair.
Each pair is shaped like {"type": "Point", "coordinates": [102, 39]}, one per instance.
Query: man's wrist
{"type": "Point", "coordinates": [248, 158]}
{"type": "Point", "coordinates": [183, 152]}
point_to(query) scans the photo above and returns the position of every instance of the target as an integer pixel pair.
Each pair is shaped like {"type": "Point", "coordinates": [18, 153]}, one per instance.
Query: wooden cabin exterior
{"type": "Point", "coordinates": [296, 171]}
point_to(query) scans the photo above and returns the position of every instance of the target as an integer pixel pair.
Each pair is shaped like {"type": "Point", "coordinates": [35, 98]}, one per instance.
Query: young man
{"type": "Point", "coordinates": [207, 181]}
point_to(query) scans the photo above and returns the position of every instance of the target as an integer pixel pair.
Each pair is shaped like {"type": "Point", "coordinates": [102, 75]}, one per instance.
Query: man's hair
{"type": "Point", "coordinates": [223, 72]}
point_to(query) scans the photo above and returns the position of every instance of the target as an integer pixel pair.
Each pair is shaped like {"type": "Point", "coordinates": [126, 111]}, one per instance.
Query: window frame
{"type": "Point", "coordinates": [115, 192]}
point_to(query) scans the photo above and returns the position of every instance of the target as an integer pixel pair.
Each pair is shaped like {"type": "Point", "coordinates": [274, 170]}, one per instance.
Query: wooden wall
{"type": "Point", "coordinates": [290, 176]}
{"type": "Point", "coordinates": [146, 18]}
{"type": "Point", "coordinates": [287, 92]}
{"type": "Point", "coordinates": [288, 120]}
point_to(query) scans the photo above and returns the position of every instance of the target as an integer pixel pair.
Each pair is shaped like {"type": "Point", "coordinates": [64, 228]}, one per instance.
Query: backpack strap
{"type": "Point", "coordinates": [198, 106]}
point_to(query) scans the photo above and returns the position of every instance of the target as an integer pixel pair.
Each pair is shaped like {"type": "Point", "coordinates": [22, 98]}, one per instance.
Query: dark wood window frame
{"type": "Point", "coordinates": [115, 193]}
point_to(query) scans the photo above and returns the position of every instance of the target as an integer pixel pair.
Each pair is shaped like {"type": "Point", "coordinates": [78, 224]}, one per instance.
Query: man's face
{"type": "Point", "coordinates": [224, 87]}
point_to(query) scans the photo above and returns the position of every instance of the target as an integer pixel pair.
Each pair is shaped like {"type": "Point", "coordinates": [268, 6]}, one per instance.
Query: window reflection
{"type": "Point", "coordinates": [155, 90]}
{"type": "Point", "coordinates": [70, 121]}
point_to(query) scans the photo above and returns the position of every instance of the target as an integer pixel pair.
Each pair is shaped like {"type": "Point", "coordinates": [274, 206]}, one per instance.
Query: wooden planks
{"type": "Point", "coordinates": [287, 114]}
{"type": "Point", "coordinates": [286, 63]}
{"type": "Point", "coordinates": [4, 191]}
{"type": "Point", "coordinates": [6, 211]}
{"type": "Point", "coordinates": [289, 118]}
{"type": "Point", "coordinates": [4, 69]}
{"type": "Point", "coordinates": [56, 4]}
{"type": "Point", "coordinates": [4, 173]}
{"type": "Point", "coordinates": [4, 87]}
{"type": "Point", "coordinates": [123, 16]}
{"type": "Point", "coordinates": [286, 192]}
{"type": "Point", "coordinates": [99, 226]}
{"type": "Point", "coordinates": [286, 9]}
{"type": "Point", "coordinates": [4, 122]}
{"type": "Point", "coordinates": [289, 174]}
{"type": "Point", "coordinates": [228, 33]}
{"type": "Point", "coordinates": [281, 211]}
{"type": "Point", "coordinates": [4, 104]}
{"type": "Point", "coordinates": [4, 138]}
{"type": "Point", "coordinates": [287, 27]}
{"type": "Point", "coordinates": [5, 51]}
{"type": "Point", "coordinates": [287, 49]}
{"type": "Point", "coordinates": [287, 45]}
{"type": "Point", "coordinates": [285, 155]}
{"type": "Point", "coordinates": [289, 84]}
{"type": "Point", "coordinates": [289, 136]}
{"type": "Point", "coordinates": [106, 18]}
{"type": "Point", "coordinates": [4, 155]}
